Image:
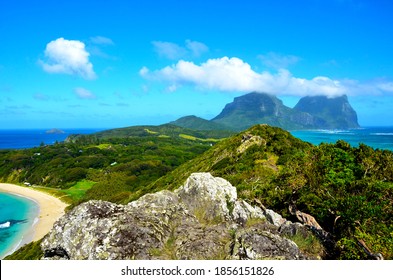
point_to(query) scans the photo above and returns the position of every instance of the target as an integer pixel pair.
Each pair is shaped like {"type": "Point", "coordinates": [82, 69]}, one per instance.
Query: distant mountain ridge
{"type": "Point", "coordinates": [256, 108]}
{"type": "Point", "coordinates": [316, 112]}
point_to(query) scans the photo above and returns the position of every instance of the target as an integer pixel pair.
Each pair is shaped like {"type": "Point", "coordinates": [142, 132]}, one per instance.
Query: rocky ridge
{"type": "Point", "coordinates": [203, 219]}
{"type": "Point", "coordinates": [311, 112]}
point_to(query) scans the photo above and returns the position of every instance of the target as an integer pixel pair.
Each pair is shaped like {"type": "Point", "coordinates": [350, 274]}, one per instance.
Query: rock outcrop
{"type": "Point", "coordinates": [203, 219]}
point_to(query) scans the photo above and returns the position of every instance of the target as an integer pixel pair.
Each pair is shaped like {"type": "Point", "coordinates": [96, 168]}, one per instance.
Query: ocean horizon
{"type": "Point", "coordinates": [30, 138]}
{"type": "Point", "coordinates": [375, 137]}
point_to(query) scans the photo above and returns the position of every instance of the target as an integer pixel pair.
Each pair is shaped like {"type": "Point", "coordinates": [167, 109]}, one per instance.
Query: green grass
{"type": "Point", "coordinates": [31, 251]}
{"type": "Point", "coordinates": [103, 146]}
{"type": "Point", "coordinates": [189, 137]}
{"type": "Point", "coordinates": [150, 131]}
{"type": "Point", "coordinates": [193, 138]}
{"type": "Point", "coordinates": [309, 245]}
{"type": "Point", "coordinates": [77, 191]}
{"type": "Point", "coordinates": [70, 195]}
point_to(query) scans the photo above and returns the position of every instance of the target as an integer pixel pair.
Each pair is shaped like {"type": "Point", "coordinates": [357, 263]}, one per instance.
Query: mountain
{"type": "Point", "coordinates": [197, 123]}
{"type": "Point", "coordinates": [256, 108]}
{"type": "Point", "coordinates": [310, 113]}
{"type": "Point", "coordinates": [329, 113]}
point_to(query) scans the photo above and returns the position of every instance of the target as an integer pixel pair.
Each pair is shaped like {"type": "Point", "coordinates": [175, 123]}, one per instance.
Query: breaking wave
{"type": "Point", "coordinates": [5, 225]}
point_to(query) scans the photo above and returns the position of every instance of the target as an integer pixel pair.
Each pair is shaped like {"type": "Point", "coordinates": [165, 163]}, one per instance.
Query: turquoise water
{"type": "Point", "coordinates": [376, 137]}
{"type": "Point", "coordinates": [17, 215]}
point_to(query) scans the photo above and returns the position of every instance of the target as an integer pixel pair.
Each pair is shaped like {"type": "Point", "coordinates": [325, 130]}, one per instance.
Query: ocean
{"type": "Point", "coordinates": [29, 138]}
{"type": "Point", "coordinates": [17, 216]}
{"type": "Point", "coordinates": [376, 137]}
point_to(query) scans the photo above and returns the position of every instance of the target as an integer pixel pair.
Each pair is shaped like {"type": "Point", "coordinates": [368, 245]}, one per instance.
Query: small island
{"type": "Point", "coordinates": [54, 131]}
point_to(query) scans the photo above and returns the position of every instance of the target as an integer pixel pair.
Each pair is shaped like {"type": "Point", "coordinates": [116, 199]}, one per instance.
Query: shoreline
{"type": "Point", "coordinates": [50, 209]}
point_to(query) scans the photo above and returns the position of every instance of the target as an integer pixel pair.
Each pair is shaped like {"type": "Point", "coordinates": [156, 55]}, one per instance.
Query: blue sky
{"type": "Point", "coordinates": [80, 64]}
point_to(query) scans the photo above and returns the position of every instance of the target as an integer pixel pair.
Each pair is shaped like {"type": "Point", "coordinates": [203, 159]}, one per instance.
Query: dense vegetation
{"type": "Point", "coordinates": [97, 167]}
{"type": "Point", "coordinates": [348, 190]}
{"type": "Point", "coordinates": [163, 131]}
{"type": "Point", "coordinates": [31, 251]}
{"type": "Point", "coordinates": [193, 122]}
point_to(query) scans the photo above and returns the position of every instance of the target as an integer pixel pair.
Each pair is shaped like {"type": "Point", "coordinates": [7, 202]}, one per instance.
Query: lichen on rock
{"type": "Point", "coordinates": [203, 219]}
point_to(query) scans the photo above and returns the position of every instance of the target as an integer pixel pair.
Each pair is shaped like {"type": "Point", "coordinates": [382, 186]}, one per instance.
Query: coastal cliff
{"type": "Point", "coordinates": [203, 219]}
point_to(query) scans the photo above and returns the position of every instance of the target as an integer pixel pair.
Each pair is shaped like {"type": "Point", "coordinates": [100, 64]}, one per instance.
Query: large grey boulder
{"type": "Point", "coordinates": [211, 197]}
{"type": "Point", "coordinates": [203, 219]}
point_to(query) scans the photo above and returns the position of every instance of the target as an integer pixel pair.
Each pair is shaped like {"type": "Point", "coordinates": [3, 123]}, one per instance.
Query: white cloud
{"type": "Point", "coordinates": [174, 51]}
{"type": "Point", "coordinates": [68, 57]}
{"type": "Point", "coordinates": [386, 86]}
{"type": "Point", "coordinates": [83, 93]}
{"type": "Point", "coordinates": [169, 50]}
{"type": "Point", "coordinates": [233, 74]}
{"type": "Point", "coordinates": [196, 48]}
{"type": "Point", "coordinates": [278, 61]}
{"type": "Point", "coordinates": [100, 40]}
{"type": "Point", "coordinates": [144, 71]}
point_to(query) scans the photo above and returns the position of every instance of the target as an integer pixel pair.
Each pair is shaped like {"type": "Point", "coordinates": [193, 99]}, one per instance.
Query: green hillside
{"type": "Point", "coordinates": [348, 190]}
{"type": "Point", "coordinates": [160, 131]}
{"type": "Point", "coordinates": [196, 123]}
{"type": "Point", "coordinates": [115, 169]}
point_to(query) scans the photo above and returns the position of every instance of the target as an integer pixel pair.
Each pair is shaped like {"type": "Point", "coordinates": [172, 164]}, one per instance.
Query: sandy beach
{"type": "Point", "coordinates": [50, 208]}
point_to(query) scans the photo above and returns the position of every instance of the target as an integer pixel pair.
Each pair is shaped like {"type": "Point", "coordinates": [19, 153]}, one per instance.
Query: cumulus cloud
{"type": "Point", "coordinates": [83, 93]}
{"type": "Point", "coordinates": [174, 51]}
{"type": "Point", "coordinates": [278, 61]}
{"type": "Point", "coordinates": [233, 74]}
{"type": "Point", "coordinates": [68, 57]}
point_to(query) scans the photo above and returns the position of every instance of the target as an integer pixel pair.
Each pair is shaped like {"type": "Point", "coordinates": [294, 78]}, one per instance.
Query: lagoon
{"type": "Point", "coordinates": [17, 217]}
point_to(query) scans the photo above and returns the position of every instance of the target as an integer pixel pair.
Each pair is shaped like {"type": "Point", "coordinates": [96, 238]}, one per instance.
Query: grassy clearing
{"type": "Point", "coordinates": [70, 195]}
{"type": "Point", "coordinates": [102, 146]}
{"type": "Point", "coordinates": [193, 138]}
{"type": "Point", "coordinates": [77, 191]}
{"type": "Point", "coordinates": [150, 131]}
